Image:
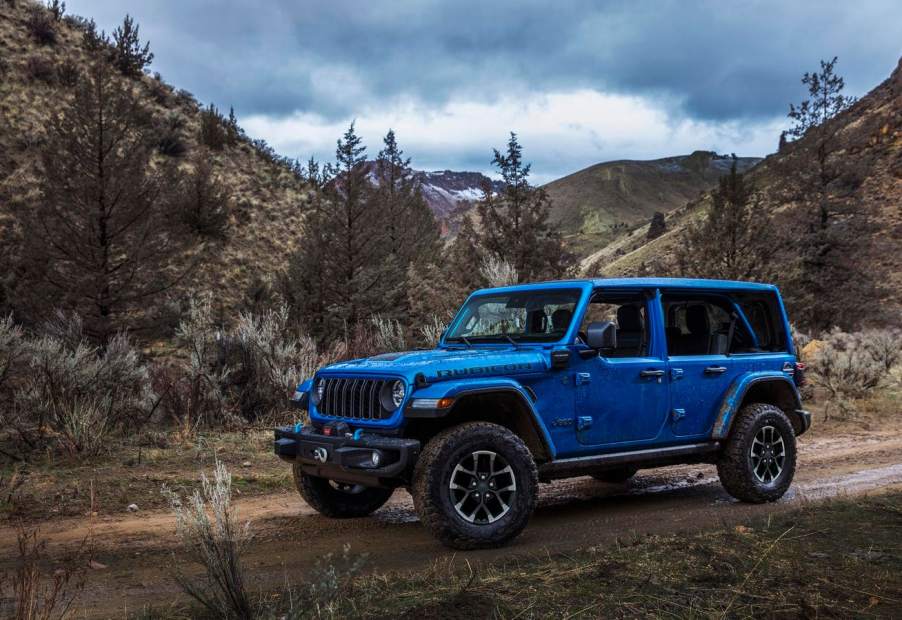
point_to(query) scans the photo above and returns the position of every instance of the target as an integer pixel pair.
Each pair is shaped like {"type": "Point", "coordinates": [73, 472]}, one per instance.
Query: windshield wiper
{"type": "Point", "coordinates": [461, 339]}
{"type": "Point", "coordinates": [511, 340]}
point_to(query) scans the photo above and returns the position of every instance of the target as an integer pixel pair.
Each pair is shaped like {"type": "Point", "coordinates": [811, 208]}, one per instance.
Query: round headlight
{"type": "Point", "coordinates": [397, 393]}
{"type": "Point", "coordinates": [319, 389]}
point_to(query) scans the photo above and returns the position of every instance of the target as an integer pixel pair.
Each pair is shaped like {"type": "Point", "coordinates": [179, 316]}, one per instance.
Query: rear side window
{"type": "Point", "coordinates": [763, 314]}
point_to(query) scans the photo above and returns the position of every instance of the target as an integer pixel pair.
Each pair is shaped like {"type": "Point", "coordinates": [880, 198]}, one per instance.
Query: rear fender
{"type": "Point", "coordinates": [762, 386]}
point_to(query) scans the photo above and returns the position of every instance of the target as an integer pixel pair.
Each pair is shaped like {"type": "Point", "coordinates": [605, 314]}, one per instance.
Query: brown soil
{"type": "Point", "coordinates": [138, 549]}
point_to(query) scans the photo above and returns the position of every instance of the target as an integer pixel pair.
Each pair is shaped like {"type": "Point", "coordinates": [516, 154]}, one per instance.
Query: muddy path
{"type": "Point", "coordinates": [139, 550]}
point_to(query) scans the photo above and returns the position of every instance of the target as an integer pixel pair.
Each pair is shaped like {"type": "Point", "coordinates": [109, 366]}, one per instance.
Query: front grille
{"type": "Point", "coordinates": [354, 398]}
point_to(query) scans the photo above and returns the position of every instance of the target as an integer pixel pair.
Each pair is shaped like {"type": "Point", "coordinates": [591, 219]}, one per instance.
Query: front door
{"type": "Point", "coordinates": [623, 393]}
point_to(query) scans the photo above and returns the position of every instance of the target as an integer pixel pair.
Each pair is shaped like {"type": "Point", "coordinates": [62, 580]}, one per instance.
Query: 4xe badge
{"type": "Point", "coordinates": [320, 454]}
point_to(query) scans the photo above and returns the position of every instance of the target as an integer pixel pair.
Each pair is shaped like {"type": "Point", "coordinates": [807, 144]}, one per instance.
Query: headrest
{"type": "Point", "coordinates": [629, 318]}
{"type": "Point", "coordinates": [538, 322]}
{"type": "Point", "coordinates": [560, 319]}
{"type": "Point", "coordinates": [697, 319]}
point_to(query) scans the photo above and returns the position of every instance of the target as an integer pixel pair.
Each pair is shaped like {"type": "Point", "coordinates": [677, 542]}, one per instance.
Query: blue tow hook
{"type": "Point", "coordinates": [297, 427]}
{"type": "Point", "coordinates": [357, 434]}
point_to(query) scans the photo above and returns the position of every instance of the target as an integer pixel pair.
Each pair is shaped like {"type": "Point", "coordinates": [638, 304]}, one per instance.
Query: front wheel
{"type": "Point", "coordinates": [475, 486]}
{"type": "Point", "coordinates": [759, 459]}
{"type": "Point", "coordinates": [339, 500]}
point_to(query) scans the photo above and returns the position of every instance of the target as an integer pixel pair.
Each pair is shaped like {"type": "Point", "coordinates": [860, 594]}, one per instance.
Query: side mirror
{"type": "Point", "coordinates": [601, 335]}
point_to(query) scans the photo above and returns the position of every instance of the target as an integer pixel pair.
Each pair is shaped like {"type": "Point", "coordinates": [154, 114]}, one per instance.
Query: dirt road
{"type": "Point", "coordinates": [289, 537]}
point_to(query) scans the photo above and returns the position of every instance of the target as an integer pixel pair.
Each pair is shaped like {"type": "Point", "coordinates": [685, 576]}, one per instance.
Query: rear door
{"type": "Point", "coordinates": [703, 334]}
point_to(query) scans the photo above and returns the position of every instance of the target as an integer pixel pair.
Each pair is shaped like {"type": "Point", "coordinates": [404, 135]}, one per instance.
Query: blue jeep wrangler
{"type": "Point", "coordinates": [535, 382]}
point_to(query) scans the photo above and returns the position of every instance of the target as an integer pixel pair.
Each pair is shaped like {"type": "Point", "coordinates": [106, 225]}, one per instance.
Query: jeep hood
{"type": "Point", "coordinates": [441, 364]}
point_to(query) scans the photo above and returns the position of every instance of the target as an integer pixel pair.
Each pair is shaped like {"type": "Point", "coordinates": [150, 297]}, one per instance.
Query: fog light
{"type": "Point", "coordinates": [376, 459]}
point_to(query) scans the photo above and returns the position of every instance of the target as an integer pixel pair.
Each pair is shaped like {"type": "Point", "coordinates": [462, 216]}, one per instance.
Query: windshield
{"type": "Point", "coordinates": [532, 316]}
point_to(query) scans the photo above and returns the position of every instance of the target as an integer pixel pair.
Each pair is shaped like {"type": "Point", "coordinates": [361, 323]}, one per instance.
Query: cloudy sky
{"type": "Point", "coordinates": [581, 82]}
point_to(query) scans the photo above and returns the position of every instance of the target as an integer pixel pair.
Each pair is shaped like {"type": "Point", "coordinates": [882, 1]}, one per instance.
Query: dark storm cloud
{"type": "Point", "coordinates": [714, 60]}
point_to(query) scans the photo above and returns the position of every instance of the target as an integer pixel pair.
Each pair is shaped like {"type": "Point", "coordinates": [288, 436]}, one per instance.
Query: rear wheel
{"type": "Point", "coordinates": [759, 460]}
{"type": "Point", "coordinates": [475, 486]}
{"type": "Point", "coordinates": [616, 476]}
{"type": "Point", "coordinates": [339, 500]}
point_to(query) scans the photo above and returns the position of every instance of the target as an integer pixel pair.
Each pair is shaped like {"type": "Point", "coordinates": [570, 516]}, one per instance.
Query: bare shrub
{"type": "Point", "coordinates": [884, 346]}
{"type": "Point", "coordinates": [172, 140]}
{"type": "Point", "coordinates": [388, 334]}
{"type": "Point", "coordinates": [208, 527]}
{"type": "Point", "coordinates": [849, 366]}
{"type": "Point", "coordinates": [191, 391]}
{"type": "Point", "coordinates": [73, 394]}
{"type": "Point", "coordinates": [12, 351]}
{"type": "Point", "coordinates": [431, 332]}
{"type": "Point", "coordinates": [10, 483]}
{"type": "Point", "coordinates": [68, 73]}
{"type": "Point", "coordinates": [268, 356]}
{"type": "Point", "coordinates": [498, 272]}
{"type": "Point", "coordinates": [206, 203]}
{"type": "Point", "coordinates": [213, 129]}
{"type": "Point", "coordinates": [40, 25]}
{"type": "Point", "coordinates": [38, 593]}
{"type": "Point", "coordinates": [324, 593]}
{"type": "Point", "coordinates": [40, 69]}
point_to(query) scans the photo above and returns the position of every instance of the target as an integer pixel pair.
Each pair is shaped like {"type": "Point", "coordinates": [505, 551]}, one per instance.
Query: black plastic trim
{"type": "Point", "coordinates": [566, 468]}
{"type": "Point", "coordinates": [344, 455]}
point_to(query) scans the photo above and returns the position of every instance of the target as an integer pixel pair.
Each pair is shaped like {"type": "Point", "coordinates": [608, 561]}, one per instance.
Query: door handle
{"type": "Point", "coordinates": [715, 370]}
{"type": "Point", "coordinates": [652, 373]}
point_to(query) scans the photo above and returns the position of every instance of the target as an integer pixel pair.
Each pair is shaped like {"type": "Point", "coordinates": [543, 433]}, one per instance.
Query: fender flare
{"type": "Point", "coordinates": [461, 389]}
{"type": "Point", "coordinates": [735, 396]}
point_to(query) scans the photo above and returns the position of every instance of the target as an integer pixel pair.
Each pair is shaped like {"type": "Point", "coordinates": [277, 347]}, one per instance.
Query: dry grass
{"type": "Point", "coordinates": [38, 592]}
{"type": "Point", "coordinates": [827, 560]}
{"type": "Point", "coordinates": [51, 486]}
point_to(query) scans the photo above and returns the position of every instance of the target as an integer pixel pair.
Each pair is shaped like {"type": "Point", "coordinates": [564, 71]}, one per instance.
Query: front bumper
{"type": "Point", "coordinates": [345, 459]}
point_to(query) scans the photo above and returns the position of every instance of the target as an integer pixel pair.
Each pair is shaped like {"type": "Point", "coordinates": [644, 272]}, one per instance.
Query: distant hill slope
{"type": "Point", "coordinates": [268, 198]}
{"type": "Point", "coordinates": [868, 165]}
{"type": "Point", "coordinates": [603, 202]}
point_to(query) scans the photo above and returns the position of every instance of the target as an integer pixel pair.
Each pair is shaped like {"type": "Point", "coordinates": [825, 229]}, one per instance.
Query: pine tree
{"type": "Point", "coordinates": [204, 204]}
{"type": "Point", "coordinates": [825, 89]}
{"type": "Point", "coordinates": [515, 222]}
{"type": "Point", "coordinates": [128, 55]}
{"type": "Point", "coordinates": [733, 240]}
{"type": "Point", "coordinates": [463, 259]}
{"type": "Point", "coordinates": [97, 237]}
{"type": "Point", "coordinates": [338, 274]}
{"type": "Point", "coordinates": [412, 234]}
{"type": "Point", "coordinates": [829, 278]}
{"type": "Point", "coordinates": [657, 226]}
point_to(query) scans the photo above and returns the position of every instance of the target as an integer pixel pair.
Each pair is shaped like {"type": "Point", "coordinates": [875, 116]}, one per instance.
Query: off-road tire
{"type": "Point", "coordinates": [432, 475]}
{"type": "Point", "coordinates": [337, 504]}
{"type": "Point", "coordinates": [615, 476]}
{"type": "Point", "coordinates": [735, 463]}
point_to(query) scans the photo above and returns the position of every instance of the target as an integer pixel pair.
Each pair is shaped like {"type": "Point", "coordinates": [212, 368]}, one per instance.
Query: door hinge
{"type": "Point", "coordinates": [583, 423]}
{"type": "Point", "coordinates": [678, 414]}
{"type": "Point", "coordinates": [583, 378]}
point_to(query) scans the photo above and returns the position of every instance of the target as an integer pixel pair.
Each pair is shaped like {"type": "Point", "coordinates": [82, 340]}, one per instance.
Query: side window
{"type": "Point", "coordinates": [704, 325]}
{"type": "Point", "coordinates": [628, 313]}
{"type": "Point", "coordinates": [763, 314]}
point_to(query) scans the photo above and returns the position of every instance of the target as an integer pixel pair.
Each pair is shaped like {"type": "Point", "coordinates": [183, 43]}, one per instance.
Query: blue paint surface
{"type": "Point", "coordinates": [595, 404]}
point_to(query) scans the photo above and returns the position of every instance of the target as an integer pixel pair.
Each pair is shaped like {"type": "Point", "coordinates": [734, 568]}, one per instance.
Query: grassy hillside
{"type": "Point", "coordinates": [603, 202]}
{"type": "Point", "coordinates": [267, 198]}
{"type": "Point", "coordinates": [868, 167]}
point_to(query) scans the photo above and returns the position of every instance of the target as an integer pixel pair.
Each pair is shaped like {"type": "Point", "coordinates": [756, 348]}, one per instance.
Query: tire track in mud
{"type": "Point", "coordinates": [290, 536]}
